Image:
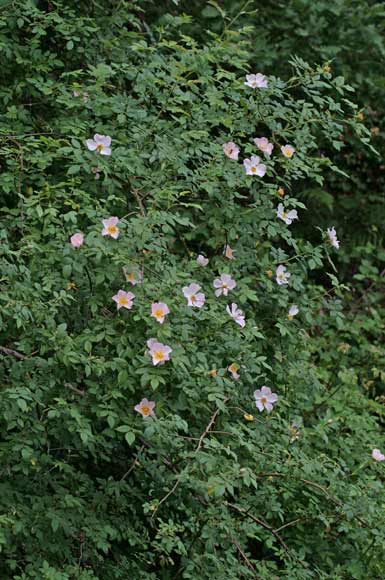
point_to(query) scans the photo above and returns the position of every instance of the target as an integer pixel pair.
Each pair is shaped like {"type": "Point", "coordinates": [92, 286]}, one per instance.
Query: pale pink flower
{"type": "Point", "coordinates": [333, 237]}
{"type": "Point", "coordinates": [83, 94]}
{"type": "Point", "coordinates": [194, 297]}
{"type": "Point", "coordinates": [263, 145]}
{"type": "Point", "coordinates": [264, 399]}
{"type": "Point", "coordinates": [229, 252]}
{"type": "Point", "coordinates": [100, 143]}
{"type": "Point", "coordinates": [254, 167]}
{"type": "Point", "coordinates": [256, 81]}
{"type": "Point", "coordinates": [233, 369]}
{"type": "Point", "coordinates": [160, 352]}
{"type": "Point", "coordinates": [159, 310]}
{"type": "Point", "coordinates": [202, 261]}
{"type": "Point", "coordinates": [231, 150]}
{"type": "Point", "coordinates": [77, 240]}
{"type": "Point", "coordinates": [110, 227]}
{"type": "Point", "coordinates": [287, 151]}
{"type": "Point", "coordinates": [293, 311]}
{"type": "Point", "coordinates": [145, 408]}
{"type": "Point", "coordinates": [286, 216]}
{"type": "Point", "coordinates": [237, 314]}
{"type": "Point", "coordinates": [224, 284]}
{"type": "Point", "coordinates": [377, 455]}
{"type": "Point", "coordinates": [281, 275]}
{"type": "Point", "coordinates": [133, 275]}
{"type": "Point", "coordinates": [124, 299]}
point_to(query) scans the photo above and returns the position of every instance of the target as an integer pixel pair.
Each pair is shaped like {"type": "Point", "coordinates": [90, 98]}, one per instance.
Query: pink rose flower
{"type": "Point", "coordinates": [377, 455]}
{"type": "Point", "coordinates": [264, 399]}
{"type": "Point", "coordinates": [224, 284]}
{"type": "Point", "coordinates": [77, 240]}
{"type": "Point", "coordinates": [194, 297]}
{"type": "Point", "coordinates": [133, 275]}
{"type": "Point", "coordinates": [159, 311]}
{"type": "Point", "coordinates": [229, 252]}
{"type": "Point", "coordinates": [160, 352]}
{"type": "Point", "coordinates": [145, 408]}
{"type": "Point", "coordinates": [332, 234]}
{"type": "Point", "coordinates": [231, 150]}
{"type": "Point", "coordinates": [110, 227]}
{"type": "Point", "coordinates": [202, 261]}
{"type": "Point", "coordinates": [263, 145]}
{"type": "Point", "coordinates": [287, 151]}
{"type": "Point", "coordinates": [100, 143]}
{"type": "Point", "coordinates": [124, 299]}
{"type": "Point", "coordinates": [237, 314]}
{"type": "Point", "coordinates": [258, 81]}
{"type": "Point", "coordinates": [254, 167]}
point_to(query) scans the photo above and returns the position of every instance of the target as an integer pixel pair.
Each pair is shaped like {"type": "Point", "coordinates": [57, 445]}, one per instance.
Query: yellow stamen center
{"type": "Point", "coordinates": [263, 400]}
{"type": "Point", "coordinates": [193, 298]}
{"type": "Point", "coordinates": [112, 229]}
{"type": "Point", "coordinates": [145, 410]}
{"type": "Point", "coordinates": [158, 355]}
{"type": "Point", "coordinates": [253, 169]}
{"type": "Point", "coordinates": [233, 368]}
{"type": "Point", "coordinates": [123, 300]}
{"type": "Point", "coordinates": [158, 313]}
{"type": "Point", "coordinates": [99, 147]}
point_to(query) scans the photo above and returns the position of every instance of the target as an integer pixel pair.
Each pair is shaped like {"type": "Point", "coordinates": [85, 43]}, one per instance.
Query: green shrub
{"type": "Point", "coordinates": [209, 487]}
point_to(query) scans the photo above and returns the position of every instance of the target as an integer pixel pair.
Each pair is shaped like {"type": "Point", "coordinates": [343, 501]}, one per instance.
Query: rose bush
{"type": "Point", "coordinates": [187, 428]}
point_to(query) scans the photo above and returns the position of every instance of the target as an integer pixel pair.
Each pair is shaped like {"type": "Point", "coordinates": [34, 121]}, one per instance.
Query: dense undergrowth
{"type": "Point", "coordinates": [208, 485]}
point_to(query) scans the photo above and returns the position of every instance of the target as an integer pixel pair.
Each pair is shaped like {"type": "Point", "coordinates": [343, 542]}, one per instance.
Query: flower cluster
{"type": "Point", "coordinates": [159, 352]}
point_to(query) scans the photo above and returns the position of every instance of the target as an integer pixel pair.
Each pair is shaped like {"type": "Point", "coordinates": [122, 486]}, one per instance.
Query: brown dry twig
{"type": "Point", "coordinates": [260, 522]}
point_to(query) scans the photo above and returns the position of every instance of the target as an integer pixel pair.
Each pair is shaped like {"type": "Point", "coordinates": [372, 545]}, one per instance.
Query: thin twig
{"type": "Point", "coordinates": [242, 553]}
{"type": "Point", "coordinates": [134, 464]}
{"type": "Point", "coordinates": [75, 389]}
{"type": "Point", "coordinates": [139, 200]}
{"type": "Point", "coordinates": [11, 352]}
{"type": "Point", "coordinates": [174, 487]}
{"type": "Point", "coordinates": [208, 428]}
{"type": "Point", "coordinates": [260, 523]}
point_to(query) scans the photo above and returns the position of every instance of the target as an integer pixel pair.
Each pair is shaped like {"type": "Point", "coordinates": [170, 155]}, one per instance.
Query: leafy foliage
{"type": "Point", "coordinates": [210, 487]}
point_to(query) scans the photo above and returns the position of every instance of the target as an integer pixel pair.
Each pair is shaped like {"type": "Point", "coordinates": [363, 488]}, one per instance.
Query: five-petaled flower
{"type": "Point", "coordinates": [110, 227]}
{"type": "Point", "coordinates": [100, 143]}
{"type": "Point", "coordinates": [293, 311]}
{"type": "Point", "coordinates": [233, 369]}
{"type": "Point", "coordinates": [286, 216]}
{"type": "Point", "coordinates": [333, 237]}
{"type": "Point", "coordinates": [224, 284]}
{"type": "Point", "coordinates": [263, 145]}
{"type": "Point", "coordinates": [258, 81]}
{"type": "Point", "coordinates": [124, 299]}
{"type": "Point", "coordinates": [237, 314]}
{"type": "Point", "coordinates": [229, 252]}
{"type": "Point", "coordinates": [194, 297]}
{"type": "Point", "coordinates": [254, 167]}
{"type": "Point", "coordinates": [281, 275]}
{"type": "Point", "coordinates": [231, 150]}
{"type": "Point", "coordinates": [202, 261]}
{"type": "Point", "coordinates": [159, 311]}
{"type": "Point", "coordinates": [160, 352]}
{"type": "Point", "coordinates": [145, 408]}
{"type": "Point", "coordinates": [377, 455]}
{"type": "Point", "coordinates": [77, 240]}
{"type": "Point", "coordinates": [133, 275]}
{"type": "Point", "coordinates": [288, 150]}
{"type": "Point", "coordinates": [264, 399]}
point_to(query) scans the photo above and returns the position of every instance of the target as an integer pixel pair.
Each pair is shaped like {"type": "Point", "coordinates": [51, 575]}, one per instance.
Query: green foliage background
{"type": "Point", "coordinates": [89, 489]}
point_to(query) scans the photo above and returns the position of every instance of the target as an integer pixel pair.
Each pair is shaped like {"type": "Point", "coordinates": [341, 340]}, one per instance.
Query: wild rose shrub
{"type": "Point", "coordinates": [134, 370]}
